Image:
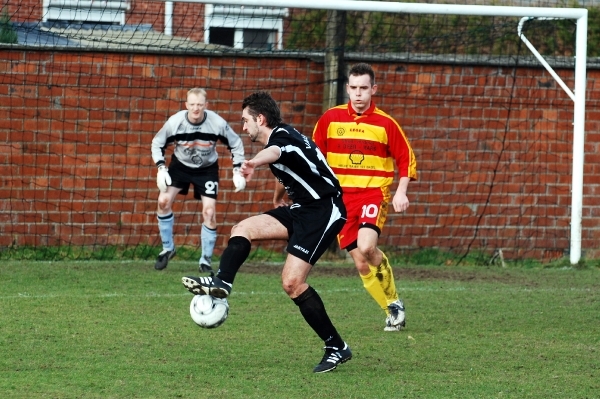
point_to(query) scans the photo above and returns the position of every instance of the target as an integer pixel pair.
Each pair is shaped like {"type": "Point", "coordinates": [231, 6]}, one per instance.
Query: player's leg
{"type": "Point", "coordinates": [208, 235]}
{"type": "Point", "coordinates": [368, 275]}
{"type": "Point", "coordinates": [371, 263]}
{"type": "Point", "coordinates": [348, 238]}
{"type": "Point", "coordinates": [314, 228]}
{"type": "Point", "coordinates": [166, 221]}
{"type": "Point", "coordinates": [310, 304]}
{"type": "Point", "coordinates": [180, 184]}
{"type": "Point", "coordinates": [260, 227]}
{"type": "Point", "coordinates": [379, 280]}
{"type": "Point", "coordinates": [255, 228]}
{"type": "Point", "coordinates": [206, 189]}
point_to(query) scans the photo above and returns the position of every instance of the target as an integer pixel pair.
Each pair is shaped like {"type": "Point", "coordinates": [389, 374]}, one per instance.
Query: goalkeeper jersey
{"type": "Point", "coordinates": [362, 148]}
{"type": "Point", "coordinates": [195, 143]}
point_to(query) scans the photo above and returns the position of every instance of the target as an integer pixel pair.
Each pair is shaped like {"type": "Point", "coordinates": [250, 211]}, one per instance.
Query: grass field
{"type": "Point", "coordinates": [122, 330]}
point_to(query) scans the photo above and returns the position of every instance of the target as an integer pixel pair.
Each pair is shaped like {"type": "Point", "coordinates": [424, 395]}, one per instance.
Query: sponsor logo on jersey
{"type": "Point", "coordinates": [306, 142]}
{"type": "Point", "coordinates": [356, 157]}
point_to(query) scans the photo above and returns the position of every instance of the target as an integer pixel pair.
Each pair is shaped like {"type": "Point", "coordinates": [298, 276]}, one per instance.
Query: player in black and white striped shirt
{"type": "Point", "coordinates": [310, 223]}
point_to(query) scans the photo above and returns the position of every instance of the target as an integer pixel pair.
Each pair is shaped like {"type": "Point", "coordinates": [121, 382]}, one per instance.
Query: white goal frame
{"type": "Point", "coordinates": [577, 95]}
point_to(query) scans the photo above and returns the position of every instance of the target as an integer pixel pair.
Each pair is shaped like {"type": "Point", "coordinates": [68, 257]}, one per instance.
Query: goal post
{"type": "Point", "coordinates": [578, 95]}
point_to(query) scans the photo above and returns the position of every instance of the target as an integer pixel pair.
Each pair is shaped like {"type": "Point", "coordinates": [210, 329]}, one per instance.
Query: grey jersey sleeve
{"type": "Point", "coordinates": [161, 139]}
{"type": "Point", "coordinates": [236, 146]}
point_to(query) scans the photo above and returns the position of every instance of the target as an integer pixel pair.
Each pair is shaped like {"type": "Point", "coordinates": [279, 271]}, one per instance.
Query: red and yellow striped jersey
{"type": "Point", "coordinates": [361, 149]}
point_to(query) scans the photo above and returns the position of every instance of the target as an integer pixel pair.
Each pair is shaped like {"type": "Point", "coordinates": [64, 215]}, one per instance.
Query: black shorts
{"type": "Point", "coordinates": [311, 227]}
{"type": "Point", "coordinates": [205, 180]}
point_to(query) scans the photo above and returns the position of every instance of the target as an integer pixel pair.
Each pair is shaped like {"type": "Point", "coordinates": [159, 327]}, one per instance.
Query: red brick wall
{"type": "Point", "coordinates": [493, 152]}
{"type": "Point", "coordinates": [23, 10]}
{"type": "Point", "coordinates": [188, 18]}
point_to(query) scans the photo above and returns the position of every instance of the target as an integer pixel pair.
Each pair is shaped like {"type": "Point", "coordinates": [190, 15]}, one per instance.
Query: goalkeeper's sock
{"type": "Point", "coordinates": [385, 275]}
{"type": "Point", "coordinates": [373, 287]}
{"type": "Point", "coordinates": [313, 310]}
{"type": "Point", "coordinates": [237, 251]}
{"type": "Point", "coordinates": [208, 238]}
{"type": "Point", "coordinates": [165, 226]}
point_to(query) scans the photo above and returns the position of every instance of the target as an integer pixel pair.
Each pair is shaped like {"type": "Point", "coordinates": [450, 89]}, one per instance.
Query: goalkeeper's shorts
{"type": "Point", "coordinates": [204, 180]}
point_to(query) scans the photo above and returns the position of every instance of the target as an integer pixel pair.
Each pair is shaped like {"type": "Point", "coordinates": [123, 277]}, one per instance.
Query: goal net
{"type": "Point", "coordinates": [85, 86]}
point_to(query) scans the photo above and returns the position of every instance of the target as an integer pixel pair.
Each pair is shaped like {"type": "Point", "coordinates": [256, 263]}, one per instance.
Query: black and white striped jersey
{"type": "Point", "coordinates": [301, 167]}
{"type": "Point", "coordinates": [195, 143]}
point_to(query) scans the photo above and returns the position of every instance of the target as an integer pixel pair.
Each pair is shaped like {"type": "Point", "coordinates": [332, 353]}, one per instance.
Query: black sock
{"type": "Point", "coordinates": [312, 308]}
{"type": "Point", "coordinates": [238, 249]}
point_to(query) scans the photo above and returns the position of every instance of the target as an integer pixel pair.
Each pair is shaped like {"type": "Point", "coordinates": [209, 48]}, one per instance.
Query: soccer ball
{"type": "Point", "coordinates": [208, 311]}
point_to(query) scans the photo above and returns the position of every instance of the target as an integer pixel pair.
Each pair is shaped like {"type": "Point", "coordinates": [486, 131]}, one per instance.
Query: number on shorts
{"type": "Point", "coordinates": [369, 211]}
{"type": "Point", "coordinates": [211, 187]}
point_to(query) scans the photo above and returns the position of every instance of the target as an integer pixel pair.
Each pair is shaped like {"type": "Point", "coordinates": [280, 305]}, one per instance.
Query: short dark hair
{"type": "Point", "coordinates": [362, 69]}
{"type": "Point", "coordinates": [262, 103]}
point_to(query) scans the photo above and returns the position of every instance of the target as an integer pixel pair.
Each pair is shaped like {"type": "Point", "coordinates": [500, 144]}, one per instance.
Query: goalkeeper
{"type": "Point", "coordinates": [362, 143]}
{"type": "Point", "coordinates": [194, 134]}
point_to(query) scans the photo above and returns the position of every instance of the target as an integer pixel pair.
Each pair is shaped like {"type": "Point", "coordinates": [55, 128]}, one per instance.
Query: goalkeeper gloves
{"type": "Point", "coordinates": [163, 180]}
{"type": "Point", "coordinates": [238, 180]}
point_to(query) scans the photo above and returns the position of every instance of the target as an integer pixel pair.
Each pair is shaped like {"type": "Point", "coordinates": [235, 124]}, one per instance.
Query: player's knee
{"type": "Point", "coordinates": [164, 205]}
{"type": "Point", "coordinates": [238, 230]}
{"type": "Point", "coordinates": [291, 286]}
{"type": "Point", "coordinates": [367, 250]}
{"type": "Point", "coordinates": [362, 268]}
{"type": "Point", "coordinates": [208, 214]}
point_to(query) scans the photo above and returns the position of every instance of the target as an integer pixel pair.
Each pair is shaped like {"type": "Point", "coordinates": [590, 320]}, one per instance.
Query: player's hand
{"type": "Point", "coordinates": [247, 169]}
{"type": "Point", "coordinates": [400, 202]}
{"type": "Point", "coordinates": [238, 180]}
{"type": "Point", "coordinates": [279, 203]}
{"type": "Point", "coordinates": [163, 179]}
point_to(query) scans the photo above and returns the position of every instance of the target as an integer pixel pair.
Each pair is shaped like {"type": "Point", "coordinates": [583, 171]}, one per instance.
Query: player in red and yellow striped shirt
{"type": "Point", "coordinates": [363, 145]}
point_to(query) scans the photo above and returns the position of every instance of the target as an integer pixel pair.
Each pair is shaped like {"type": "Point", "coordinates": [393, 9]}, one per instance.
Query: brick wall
{"type": "Point", "coordinates": [188, 18]}
{"type": "Point", "coordinates": [493, 147]}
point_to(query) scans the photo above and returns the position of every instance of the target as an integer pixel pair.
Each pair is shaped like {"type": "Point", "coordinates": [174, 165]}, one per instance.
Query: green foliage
{"type": "Point", "coordinates": [442, 34]}
{"type": "Point", "coordinates": [593, 44]}
{"type": "Point", "coordinates": [122, 330]}
{"type": "Point", "coordinates": [301, 33]}
{"type": "Point", "coordinates": [422, 257]}
{"type": "Point", "coordinates": [53, 253]}
{"type": "Point", "coordinates": [112, 252]}
{"type": "Point", "coordinates": [7, 32]}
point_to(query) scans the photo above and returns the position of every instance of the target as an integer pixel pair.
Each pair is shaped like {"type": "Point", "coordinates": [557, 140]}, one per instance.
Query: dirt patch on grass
{"type": "Point", "coordinates": [404, 273]}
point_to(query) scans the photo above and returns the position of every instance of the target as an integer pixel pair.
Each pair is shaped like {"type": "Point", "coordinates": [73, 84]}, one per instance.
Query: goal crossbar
{"type": "Point", "coordinates": [578, 94]}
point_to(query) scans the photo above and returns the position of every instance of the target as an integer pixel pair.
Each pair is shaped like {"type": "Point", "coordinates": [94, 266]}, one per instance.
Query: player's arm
{"type": "Point", "coordinates": [279, 194]}
{"type": "Point", "coordinates": [320, 134]}
{"type": "Point", "coordinates": [406, 164]}
{"type": "Point", "coordinates": [236, 147]}
{"type": "Point", "coordinates": [159, 143]}
{"type": "Point", "coordinates": [401, 151]}
{"type": "Point", "coordinates": [400, 200]}
{"type": "Point", "coordinates": [264, 157]}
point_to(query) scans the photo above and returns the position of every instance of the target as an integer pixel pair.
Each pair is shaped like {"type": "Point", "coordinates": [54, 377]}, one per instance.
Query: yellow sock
{"type": "Point", "coordinates": [385, 276]}
{"type": "Point", "coordinates": [373, 287]}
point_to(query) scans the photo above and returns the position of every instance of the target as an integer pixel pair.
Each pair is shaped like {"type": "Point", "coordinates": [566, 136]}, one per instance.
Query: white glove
{"type": "Point", "coordinates": [238, 180]}
{"type": "Point", "coordinates": [163, 179]}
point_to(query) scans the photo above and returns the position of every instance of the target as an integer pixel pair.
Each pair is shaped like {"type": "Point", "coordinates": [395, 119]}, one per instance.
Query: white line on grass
{"type": "Point", "coordinates": [26, 295]}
